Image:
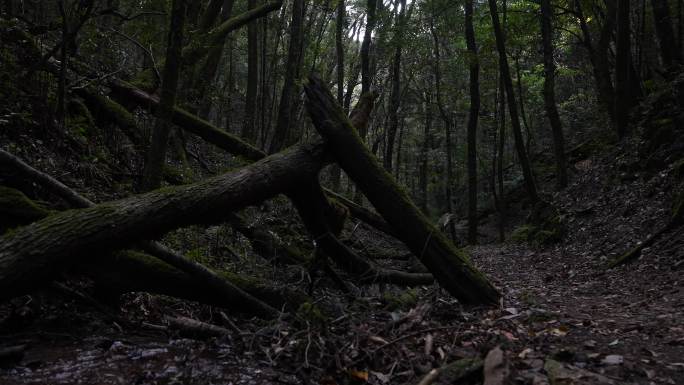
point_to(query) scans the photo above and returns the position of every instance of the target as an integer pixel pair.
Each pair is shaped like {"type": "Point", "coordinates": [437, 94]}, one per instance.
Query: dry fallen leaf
{"type": "Point", "coordinates": [359, 375]}
{"type": "Point", "coordinates": [613, 359]}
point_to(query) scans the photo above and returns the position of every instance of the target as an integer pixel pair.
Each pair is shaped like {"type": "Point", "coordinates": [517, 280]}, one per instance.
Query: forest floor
{"type": "Point", "coordinates": [564, 318]}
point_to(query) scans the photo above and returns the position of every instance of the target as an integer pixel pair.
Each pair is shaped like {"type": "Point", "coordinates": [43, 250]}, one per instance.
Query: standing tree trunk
{"type": "Point", "coordinates": [512, 109]}
{"type": "Point", "coordinates": [283, 121]}
{"type": "Point", "coordinates": [549, 93]}
{"type": "Point", "coordinates": [666, 37]}
{"type": "Point", "coordinates": [335, 172]}
{"type": "Point", "coordinates": [598, 55]}
{"type": "Point", "coordinates": [472, 122]}
{"type": "Point", "coordinates": [395, 101]}
{"type": "Point", "coordinates": [448, 122]}
{"type": "Point", "coordinates": [424, 154]}
{"type": "Point", "coordinates": [207, 73]}
{"type": "Point", "coordinates": [624, 99]}
{"type": "Point", "coordinates": [156, 154]}
{"type": "Point", "coordinates": [366, 76]}
{"type": "Point", "coordinates": [249, 125]}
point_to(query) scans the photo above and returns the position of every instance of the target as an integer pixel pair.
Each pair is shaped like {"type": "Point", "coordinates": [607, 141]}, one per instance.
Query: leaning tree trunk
{"type": "Point", "coordinates": [472, 122]}
{"type": "Point", "coordinates": [450, 267]}
{"type": "Point", "coordinates": [550, 94]}
{"type": "Point", "coordinates": [512, 109]}
{"type": "Point", "coordinates": [156, 154]}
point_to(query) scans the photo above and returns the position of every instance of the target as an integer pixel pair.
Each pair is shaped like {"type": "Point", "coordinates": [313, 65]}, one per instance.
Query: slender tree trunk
{"type": "Point", "coordinates": [550, 95]}
{"type": "Point", "coordinates": [366, 76]}
{"type": "Point", "coordinates": [473, 116]}
{"type": "Point", "coordinates": [400, 144]}
{"type": "Point", "coordinates": [282, 128]}
{"type": "Point", "coordinates": [335, 172]}
{"type": "Point", "coordinates": [395, 100]}
{"type": "Point", "coordinates": [512, 109]}
{"type": "Point", "coordinates": [680, 26]}
{"type": "Point", "coordinates": [448, 123]}
{"type": "Point", "coordinates": [598, 56]}
{"type": "Point", "coordinates": [207, 73]}
{"type": "Point", "coordinates": [64, 58]}
{"type": "Point", "coordinates": [156, 154]}
{"type": "Point", "coordinates": [424, 154]}
{"type": "Point", "coordinates": [521, 100]}
{"type": "Point", "coordinates": [249, 125]}
{"type": "Point", "coordinates": [501, 145]}
{"type": "Point", "coordinates": [666, 37]}
{"type": "Point", "coordinates": [624, 99]}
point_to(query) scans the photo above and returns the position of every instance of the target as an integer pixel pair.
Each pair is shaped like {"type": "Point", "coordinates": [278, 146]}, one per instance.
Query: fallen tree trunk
{"type": "Point", "coordinates": [450, 266]}
{"type": "Point", "coordinates": [131, 271]}
{"type": "Point", "coordinates": [31, 253]}
{"type": "Point", "coordinates": [266, 244]}
{"type": "Point", "coordinates": [127, 93]}
{"type": "Point", "coordinates": [359, 212]}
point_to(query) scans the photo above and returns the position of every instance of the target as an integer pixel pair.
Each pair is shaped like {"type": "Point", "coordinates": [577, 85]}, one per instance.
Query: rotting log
{"type": "Point", "coordinates": [450, 266]}
{"type": "Point", "coordinates": [31, 253]}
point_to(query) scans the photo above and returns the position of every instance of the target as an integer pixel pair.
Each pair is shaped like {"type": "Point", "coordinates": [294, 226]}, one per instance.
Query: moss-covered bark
{"type": "Point", "coordinates": [450, 266]}
{"type": "Point", "coordinates": [17, 209]}
{"type": "Point", "coordinates": [34, 252]}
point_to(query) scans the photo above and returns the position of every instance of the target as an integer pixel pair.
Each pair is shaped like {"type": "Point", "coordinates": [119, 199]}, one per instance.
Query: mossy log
{"type": "Point", "coordinates": [132, 271]}
{"type": "Point", "coordinates": [450, 266]}
{"type": "Point", "coordinates": [129, 271]}
{"type": "Point", "coordinates": [127, 93]}
{"type": "Point", "coordinates": [105, 109]}
{"type": "Point", "coordinates": [31, 253]}
{"type": "Point", "coordinates": [364, 214]}
{"type": "Point", "coordinates": [17, 209]}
